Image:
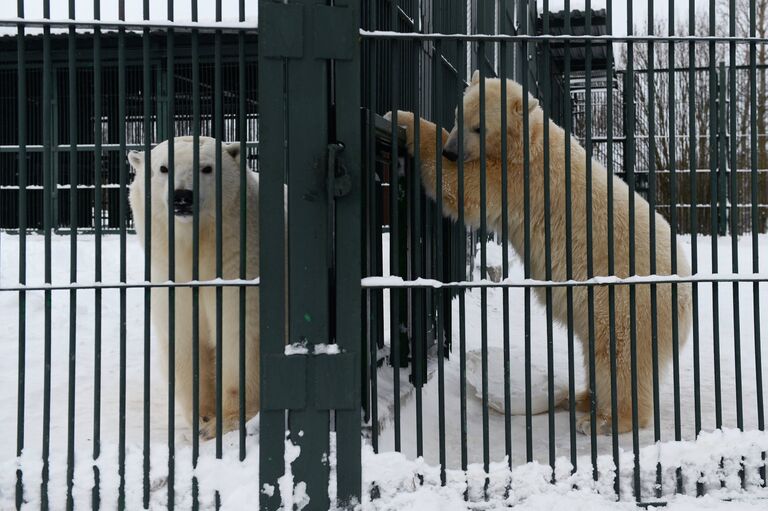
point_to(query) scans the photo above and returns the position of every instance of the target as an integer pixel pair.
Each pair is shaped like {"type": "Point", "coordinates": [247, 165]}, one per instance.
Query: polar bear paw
{"type": "Point", "coordinates": [404, 119]}
{"type": "Point", "coordinates": [584, 424]}
{"type": "Point", "coordinates": [208, 425]}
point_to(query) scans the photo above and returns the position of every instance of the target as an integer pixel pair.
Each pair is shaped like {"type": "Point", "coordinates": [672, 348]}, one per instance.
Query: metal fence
{"type": "Point", "coordinates": [362, 236]}
{"type": "Point", "coordinates": [106, 212]}
{"type": "Point", "coordinates": [531, 198]}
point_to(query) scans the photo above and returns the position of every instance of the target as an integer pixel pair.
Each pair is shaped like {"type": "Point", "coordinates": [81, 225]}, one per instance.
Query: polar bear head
{"type": "Point", "coordinates": [493, 126]}
{"type": "Point", "coordinates": [179, 195]}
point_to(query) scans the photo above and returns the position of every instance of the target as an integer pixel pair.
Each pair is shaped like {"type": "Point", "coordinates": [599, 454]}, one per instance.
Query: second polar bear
{"type": "Point", "coordinates": [579, 229]}
{"type": "Point", "coordinates": [182, 205]}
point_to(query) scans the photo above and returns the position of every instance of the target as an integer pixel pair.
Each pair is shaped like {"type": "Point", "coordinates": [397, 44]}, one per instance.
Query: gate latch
{"type": "Point", "coordinates": [337, 172]}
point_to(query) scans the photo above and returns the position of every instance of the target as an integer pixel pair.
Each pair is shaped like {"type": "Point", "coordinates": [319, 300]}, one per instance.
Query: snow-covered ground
{"type": "Point", "coordinates": [539, 368]}
{"type": "Point", "coordinates": [396, 475]}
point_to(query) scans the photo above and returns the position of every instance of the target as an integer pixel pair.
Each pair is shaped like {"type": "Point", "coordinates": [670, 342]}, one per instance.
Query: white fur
{"type": "Point", "coordinates": [183, 235]}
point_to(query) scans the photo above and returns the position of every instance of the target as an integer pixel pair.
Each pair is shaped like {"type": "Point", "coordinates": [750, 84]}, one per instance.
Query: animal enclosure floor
{"type": "Point", "coordinates": [234, 479]}
{"type": "Point", "coordinates": [540, 428]}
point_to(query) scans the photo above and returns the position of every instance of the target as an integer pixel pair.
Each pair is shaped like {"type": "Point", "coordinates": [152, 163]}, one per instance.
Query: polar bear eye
{"type": "Point", "coordinates": [476, 130]}
{"type": "Point", "coordinates": [207, 170]}
{"type": "Point", "coordinates": [163, 169]}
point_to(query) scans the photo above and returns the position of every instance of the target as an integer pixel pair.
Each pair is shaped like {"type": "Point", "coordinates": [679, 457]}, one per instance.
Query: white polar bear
{"type": "Point", "coordinates": [182, 206]}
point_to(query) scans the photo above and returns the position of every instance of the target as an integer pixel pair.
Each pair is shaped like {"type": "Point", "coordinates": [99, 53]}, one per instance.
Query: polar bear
{"type": "Point", "coordinates": [182, 204]}
{"type": "Point", "coordinates": [557, 217]}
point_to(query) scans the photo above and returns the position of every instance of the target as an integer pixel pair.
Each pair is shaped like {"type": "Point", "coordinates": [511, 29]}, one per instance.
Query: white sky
{"type": "Point", "coordinates": [639, 11]}
{"type": "Point", "coordinates": [206, 9]}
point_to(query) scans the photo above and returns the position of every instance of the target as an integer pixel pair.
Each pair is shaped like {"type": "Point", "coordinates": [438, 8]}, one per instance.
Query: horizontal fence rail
{"type": "Point", "coordinates": [362, 279]}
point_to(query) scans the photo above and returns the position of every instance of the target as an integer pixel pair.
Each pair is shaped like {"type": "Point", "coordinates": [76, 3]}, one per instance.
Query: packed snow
{"type": "Point", "coordinates": [399, 480]}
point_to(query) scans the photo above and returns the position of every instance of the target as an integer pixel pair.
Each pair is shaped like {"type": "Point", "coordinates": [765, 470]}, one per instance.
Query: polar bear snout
{"type": "Point", "coordinates": [450, 154]}
{"type": "Point", "coordinates": [183, 200]}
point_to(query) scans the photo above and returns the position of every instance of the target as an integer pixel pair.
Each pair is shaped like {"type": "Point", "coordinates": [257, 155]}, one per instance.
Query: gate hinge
{"type": "Point", "coordinates": [337, 171]}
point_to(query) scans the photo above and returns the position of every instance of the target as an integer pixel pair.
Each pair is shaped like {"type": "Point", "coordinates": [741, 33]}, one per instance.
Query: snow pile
{"type": "Point", "coordinates": [539, 382]}
{"type": "Point", "coordinates": [391, 481]}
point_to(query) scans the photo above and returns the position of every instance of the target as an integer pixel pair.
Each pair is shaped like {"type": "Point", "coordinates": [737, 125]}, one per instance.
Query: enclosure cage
{"type": "Point", "coordinates": [106, 213]}
{"type": "Point", "coordinates": [449, 311]}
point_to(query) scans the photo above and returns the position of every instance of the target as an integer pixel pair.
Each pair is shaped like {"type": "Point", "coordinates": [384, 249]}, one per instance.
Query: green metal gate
{"type": "Point", "coordinates": [310, 140]}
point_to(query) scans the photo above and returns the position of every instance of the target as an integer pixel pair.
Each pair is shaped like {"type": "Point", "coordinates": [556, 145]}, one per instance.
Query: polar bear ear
{"type": "Point", "coordinates": [475, 77]}
{"type": "Point", "coordinates": [234, 150]}
{"type": "Point", "coordinates": [518, 104]}
{"type": "Point", "coordinates": [136, 159]}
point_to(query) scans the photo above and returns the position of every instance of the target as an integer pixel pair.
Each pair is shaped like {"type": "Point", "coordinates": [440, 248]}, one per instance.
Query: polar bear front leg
{"type": "Point", "coordinates": [428, 146]}
{"type": "Point", "coordinates": [230, 346]}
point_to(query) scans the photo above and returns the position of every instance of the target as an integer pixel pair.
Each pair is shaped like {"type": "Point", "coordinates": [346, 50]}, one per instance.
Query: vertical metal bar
{"type": "Point", "coordinates": [652, 239]}
{"type": "Point", "coordinates": [196, 255]}
{"type": "Point", "coordinates": [273, 160]}
{"type": "Point", "coordinates": [484, 268]}
{"type": "Point", "coordinates": [420, 310]}
{"type": "Point", "coordinates": [218, 126]}
{"type": "Point", "coordinates": [569, 243]}
{"type": "Point", "coordinates": [734, 198]}
{"type": "Point", "coordinates": [714, 120]}
{"type": "Point", "coordinates": [242, 137]}
{"type": "Point", "coordinates": [673, 240]}
{"type": "Point", "coordinates": [308, 256]}
{"type": "Point", "coordinates": [693, 167]}
{"type": "Point", "coordinates": [21, 94]}
{"type": "Point", "coordinates": [505, 239]}
{"type": "Point", "coordinates": [462, 63]}
{"type": "Point", "coordinates": [48, 187]}
{"type": "Point", "coordinates": [73, 181]}
{"type": "Point", "coordinates": [548, 248]}
{"type": "Point", "coordinates": [438, 100]}
{"type": "Point", "coordinates": [147, 129]}
{"type": "Point", "coordinates": [171, 130]}
{"type": "Point", "coordinates": [590, 262]}
{"type": "Point", "coordinates": [121, 93]}
{"type": "Point", "coordinates": [523, 29]}
{"type": "Point", "coordinates": [630, 109]}
{"type": "Point", "coordinates": [374, 234]}
{"type": "Point", "coordinates": [394, 229]}
{"type": "Point", "coordinates": [348, 269]}
{"type": "Point", "coordinates": [612, 266]}
{"type": "Point", "coordinates": [755, 224]}
{"type": "Point", "coordinates": [97, 137]}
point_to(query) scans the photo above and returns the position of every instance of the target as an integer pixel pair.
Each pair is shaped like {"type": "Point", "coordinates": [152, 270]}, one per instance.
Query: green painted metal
{"type": "Point", "coordinates": [630, 127]}
{"type": "Point", "coordinates": [98, 153]}
{"type": "Point", "coordinates": [47, 227]}
{"type": "Point", "coordinates": [123, 208]}
{"type": "Point", "coordinates": [147, 140]}
{"type": "Point", "coordinates": [546, 96]}
{"type": "Point", "coordinates": [523, 75]}
{"type": "Point", "coordinates": [170, 132]}
{"type": "Point", "coordinates": [755, 251]}
{"type": "Point", "coordinates": [569, 247]}
{"type": "Point", "coordinates": [692, 165]}
{"type": "Point", "coordinates": [272, 322]}
{"type": "Point", "coordinates": [591, 369]}
{"type": "Point", "coordinates": [611, 266]}
{"type": "Point", "coordinates": [302, 122]}
{"type": "Point", "coordinates": [673, 243]}
{"type": "Point", "coordinates": [22, 378]}
{"type": "Point", "coordinates": [716, 103]}
{"type": "Point", "coordinates": [395, 262]}
{"type": "Point", "coordinates": [73, 181]}
{"type": "Point", "coordinates": [196, 131]}
{"type": "Point", "coordinates": [652, 243]}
